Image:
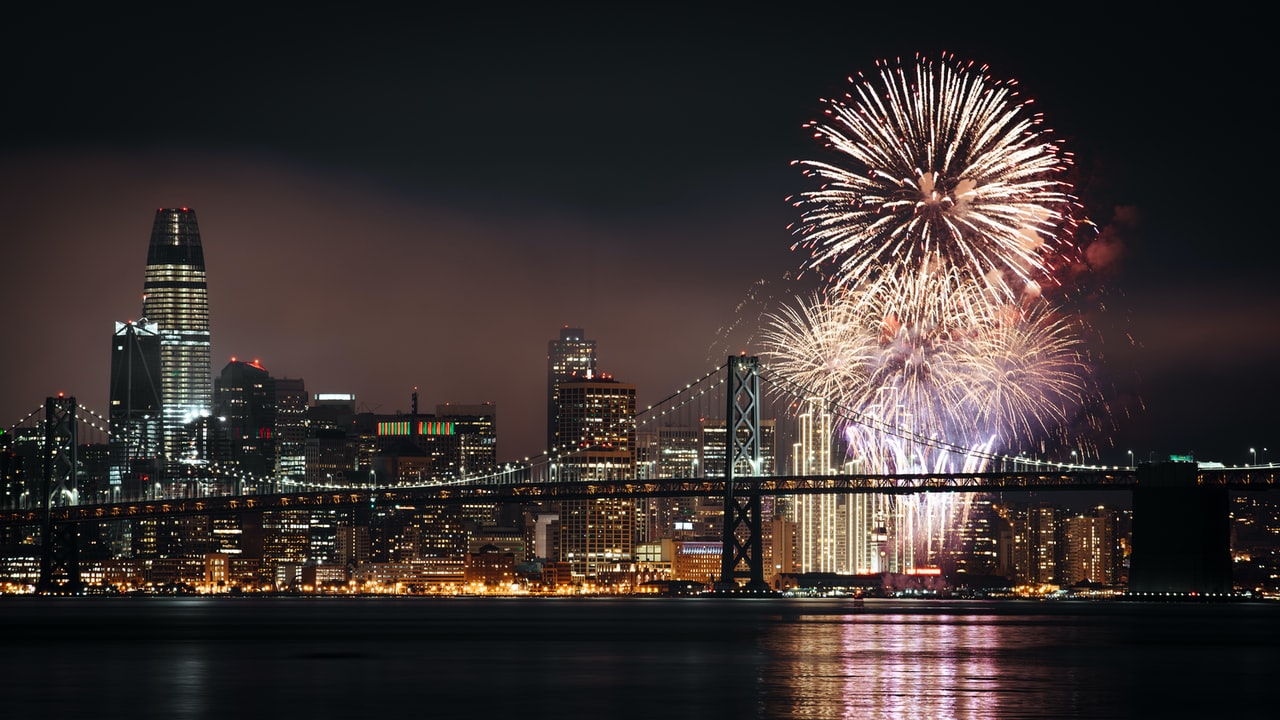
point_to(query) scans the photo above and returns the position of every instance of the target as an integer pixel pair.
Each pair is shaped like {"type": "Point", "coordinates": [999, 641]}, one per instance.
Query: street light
{"type": "Point", "coordinates": [1254, 454]}
{"type": "Point", "coordinates": [1073, 457]}
{"type": "Point", "coordinates": [1130, 459]}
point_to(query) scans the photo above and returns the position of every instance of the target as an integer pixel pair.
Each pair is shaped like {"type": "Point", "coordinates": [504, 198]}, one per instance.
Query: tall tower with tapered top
{"type": "Point", "coordinates": [177, 301]}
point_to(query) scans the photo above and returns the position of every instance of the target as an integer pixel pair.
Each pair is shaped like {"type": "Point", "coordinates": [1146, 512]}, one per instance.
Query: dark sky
{"type": "Point", "coordinates": [397, 199]}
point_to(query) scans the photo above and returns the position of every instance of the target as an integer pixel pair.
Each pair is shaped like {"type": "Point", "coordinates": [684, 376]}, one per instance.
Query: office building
{"type": "Point", "coordinates": [291, 430]}
{"type": "Point", "coordinates": [245, 401]}
{"type": "Point", "coordinates": [570, 356]}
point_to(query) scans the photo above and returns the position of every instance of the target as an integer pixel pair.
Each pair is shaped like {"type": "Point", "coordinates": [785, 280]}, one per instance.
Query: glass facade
{"type": "Point", "coordinates": [177, 301]}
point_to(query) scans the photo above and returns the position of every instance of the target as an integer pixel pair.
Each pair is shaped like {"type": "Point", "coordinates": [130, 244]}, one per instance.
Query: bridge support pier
{"type": "Point", "coordinates": [59, 553]}
{"type": "Point", "coordinates": [741, 551]}
{"type": "Point", "coordinates": [1181, 533]}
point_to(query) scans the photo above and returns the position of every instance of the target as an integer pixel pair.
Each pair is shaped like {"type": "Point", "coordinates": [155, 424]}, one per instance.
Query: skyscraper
{"type": "Point", "coordinates": [177, 301]}
{"type": "Point", "coordinates": [135, 411]}
{"type": "Point", "coordinates": [291, 429]}
{"type": "Point", "coordinates": [571, 356]}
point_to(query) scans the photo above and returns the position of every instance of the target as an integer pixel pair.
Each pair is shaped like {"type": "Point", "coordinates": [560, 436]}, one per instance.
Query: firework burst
{"type": "Point", "coordinates": [936, 159]}
{"type": "Point", "coordinates": [936, 220]}
{"type": "Point", "coordinates": [927, 356]}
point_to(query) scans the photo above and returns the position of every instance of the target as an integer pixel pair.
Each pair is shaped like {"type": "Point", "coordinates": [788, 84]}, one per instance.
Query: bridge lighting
{"type": "Point", "coordinates": [1254, 454]}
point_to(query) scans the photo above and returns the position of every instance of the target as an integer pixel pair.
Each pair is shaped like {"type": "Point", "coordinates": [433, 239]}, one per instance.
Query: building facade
{"type": "Point", "coordinates": [569, 356]}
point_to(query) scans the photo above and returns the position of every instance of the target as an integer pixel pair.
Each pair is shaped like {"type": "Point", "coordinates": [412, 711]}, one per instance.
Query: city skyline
{"type": "Point", "coordinates": [401, 221]}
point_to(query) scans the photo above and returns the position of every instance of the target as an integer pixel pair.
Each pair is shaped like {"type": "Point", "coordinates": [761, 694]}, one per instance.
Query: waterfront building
{"type": "Point", "coordinates": [848, 533]}
{"type": "Point", "coordinates": [286, 545]}
{"type": "Point", "coordinates": [1089, 548]}
{"type": "Point", "coordinates": [177, 301]}
{"type": "Point", "coordinates": [1035, 545]}
{"type": "Point", "coordinates": [815, 515]}
{"type": "Point", "coordinates": [975, 549]}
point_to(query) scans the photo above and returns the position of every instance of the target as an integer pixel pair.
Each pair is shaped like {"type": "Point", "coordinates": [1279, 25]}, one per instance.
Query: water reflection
{"type": "Point", "coordinates": [937, 665]}
{"type": "Point", "coordinates": [697, 658]}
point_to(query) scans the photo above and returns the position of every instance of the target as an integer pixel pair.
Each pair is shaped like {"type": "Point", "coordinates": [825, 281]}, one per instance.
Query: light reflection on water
{"type": "Point", "coordinates": [669, 658]}
{"type": "Point", "coordinates": [896, 666]}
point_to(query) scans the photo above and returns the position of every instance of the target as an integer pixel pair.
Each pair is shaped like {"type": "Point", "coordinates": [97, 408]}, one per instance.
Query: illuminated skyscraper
{"type": "Point", "coordinates": [571, 356]}
{"type": "Point", "coordinates": [815, 515]}
{"type": "Point", "coordinates": [848, 533]}
{"type": "Point", "coordinates": [177, 301]}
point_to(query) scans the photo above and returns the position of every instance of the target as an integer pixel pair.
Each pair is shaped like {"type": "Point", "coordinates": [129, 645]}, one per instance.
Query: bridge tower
{"type": "Point", "coordinates": [59, 555]}
{"type": "Point", "coordinates": [1181, 533]}
{"type": "Point", "coordinates": [741, 553]}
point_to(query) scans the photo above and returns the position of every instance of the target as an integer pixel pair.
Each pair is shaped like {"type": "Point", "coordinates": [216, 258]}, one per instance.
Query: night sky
{"type": "Point", "coordinates": [398, 200]}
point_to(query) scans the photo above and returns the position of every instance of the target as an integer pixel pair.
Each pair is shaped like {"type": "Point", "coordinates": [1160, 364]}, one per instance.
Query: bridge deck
{"type": "Point", "coordinates": [1067, 479]}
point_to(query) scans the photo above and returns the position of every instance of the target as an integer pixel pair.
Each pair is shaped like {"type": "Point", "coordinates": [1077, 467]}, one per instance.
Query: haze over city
{"type": "Point", "coordinates": [426, 202]}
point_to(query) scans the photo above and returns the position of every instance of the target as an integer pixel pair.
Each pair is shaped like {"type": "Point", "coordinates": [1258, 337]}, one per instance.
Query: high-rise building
{"type": "Point", "coordinates": [849, 533]}
{"type": "Point", "coordinates": [291, 429]}
{"type": "Point", "coordinates": [597, 434]}
{"type": "Point", "coordinates": [571, 356]}
{"type": "Point", "coordinates": [1035, 545]}
{"type": "Point", "coordinates": [177, 301]}
{"type": "Point", "coordinates": [1089, 550]}
{"type": "Point", "coordinates": [817, 545]}
{"type": "Point", "coordinates": [245, 399]}
{"type": "Point", "coordinates": [135, 411]}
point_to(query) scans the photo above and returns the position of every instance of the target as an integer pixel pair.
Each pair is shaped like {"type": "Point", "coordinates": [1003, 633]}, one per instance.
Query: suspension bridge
{"type": "Point", "coordinates": [746, 472]}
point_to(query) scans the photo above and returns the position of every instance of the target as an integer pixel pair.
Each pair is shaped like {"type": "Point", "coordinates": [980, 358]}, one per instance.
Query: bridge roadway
{"type": "Point", "coordinates": [1256, 478]}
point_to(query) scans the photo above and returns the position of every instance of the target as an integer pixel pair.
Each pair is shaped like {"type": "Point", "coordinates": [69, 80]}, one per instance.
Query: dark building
{"type": "Point", "coordinates": [245, 403]}
{"type": "Point", "coordinates": [177, 301]}
{"type": "Point", "coordinates": [135, 412]}
{"type": "Point", "coordinates": [474, 433]}
{"type": "Point", "coordinates": [330, 451]}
